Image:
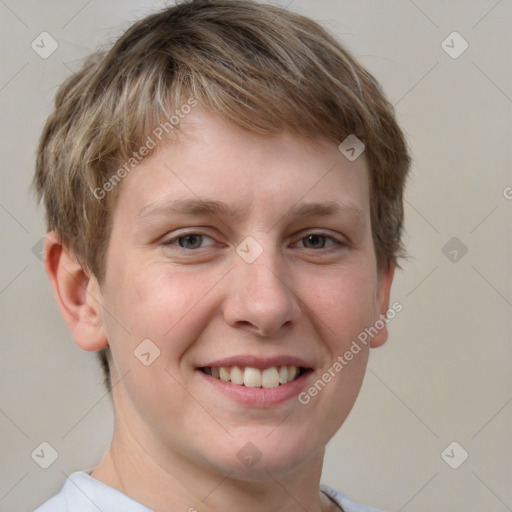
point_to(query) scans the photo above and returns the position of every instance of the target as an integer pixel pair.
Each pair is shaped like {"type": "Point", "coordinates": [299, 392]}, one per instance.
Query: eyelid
{"type": "Point", "coordinates": [338, 240]}
{"type": "Point", "coordinates": [171, 241]}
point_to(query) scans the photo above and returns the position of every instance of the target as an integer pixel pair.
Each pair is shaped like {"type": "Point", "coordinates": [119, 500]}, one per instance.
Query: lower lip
{"type": "Point", "coordinates": [259, 397]}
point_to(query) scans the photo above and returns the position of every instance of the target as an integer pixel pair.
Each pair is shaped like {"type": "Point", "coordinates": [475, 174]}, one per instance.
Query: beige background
{"type": "Point", "coordinates": [443, 376]}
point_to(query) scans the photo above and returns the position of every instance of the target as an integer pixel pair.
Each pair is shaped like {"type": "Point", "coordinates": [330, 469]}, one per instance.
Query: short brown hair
{"type": "Point", "coordinates": [262, 67]}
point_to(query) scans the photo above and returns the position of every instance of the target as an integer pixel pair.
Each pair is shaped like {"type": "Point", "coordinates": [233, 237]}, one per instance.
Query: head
{"type": "Point", "coordinates": [242, 104]}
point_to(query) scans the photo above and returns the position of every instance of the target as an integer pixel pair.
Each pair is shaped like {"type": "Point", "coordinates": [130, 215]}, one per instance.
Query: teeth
{"type": "Point", "coordinates": [224, 374]}
{"type": "Point", "coordinates": [237, 375]}
{"type": "Point", "coordinates": [292, 372]}
{"type": "Point", "coordinates": [254, 377]}
{"type": "Point", "coordinates": [270, 378]}
{"type": "Point", "coordinates": [283, 375]}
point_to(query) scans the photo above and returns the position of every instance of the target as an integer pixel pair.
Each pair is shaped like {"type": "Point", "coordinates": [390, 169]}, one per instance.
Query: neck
{"type": "Point", "coordinates": [182, 484]}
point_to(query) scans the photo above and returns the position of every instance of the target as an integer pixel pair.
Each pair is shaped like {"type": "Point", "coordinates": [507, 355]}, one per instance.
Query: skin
{"type": "Point", "coordinates": [176, 439]}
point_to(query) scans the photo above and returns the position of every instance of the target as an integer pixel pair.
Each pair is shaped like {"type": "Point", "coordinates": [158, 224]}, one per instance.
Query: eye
{"type": "Point", "coordinates": [191, 241]}
{"type": "Point", "coordinates": [317, 241]}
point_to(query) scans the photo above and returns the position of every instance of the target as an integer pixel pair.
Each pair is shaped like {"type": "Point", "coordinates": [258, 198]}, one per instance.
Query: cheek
{"type": "Point", "coordinates": [166, 305]}
{"type": "Point", "coordinates": [343, 304]}
{"type": "Point", "coordinates": [341, 307]}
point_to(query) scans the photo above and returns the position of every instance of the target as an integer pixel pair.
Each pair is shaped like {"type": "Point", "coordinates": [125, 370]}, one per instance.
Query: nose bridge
{"type": "Point", "coordinates": [261, 292]}
{"type": "Point", "coordinates": [264, 280]}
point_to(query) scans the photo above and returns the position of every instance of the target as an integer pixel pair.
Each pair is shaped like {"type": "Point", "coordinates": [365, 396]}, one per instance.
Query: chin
{"type": "Point", "coordinates": [252, 457]}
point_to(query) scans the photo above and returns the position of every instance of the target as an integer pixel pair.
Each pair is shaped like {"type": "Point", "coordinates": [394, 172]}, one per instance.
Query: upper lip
{"type": "Point", "coordinates": [258, 361]}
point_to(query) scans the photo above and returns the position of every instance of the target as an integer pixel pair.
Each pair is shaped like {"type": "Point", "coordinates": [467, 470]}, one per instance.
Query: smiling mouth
{"type": "Point", "coordinates": [255, 377]}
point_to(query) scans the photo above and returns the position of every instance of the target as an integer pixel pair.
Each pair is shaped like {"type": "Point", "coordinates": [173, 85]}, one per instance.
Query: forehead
{"type": "Point", "coordinates": [216, 166]}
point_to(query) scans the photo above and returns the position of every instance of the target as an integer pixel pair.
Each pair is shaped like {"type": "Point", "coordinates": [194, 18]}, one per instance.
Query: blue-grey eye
{"type": "Point", "coordinates": [190, 241]}
{"type": "Point", "coordinates": [315, 241]}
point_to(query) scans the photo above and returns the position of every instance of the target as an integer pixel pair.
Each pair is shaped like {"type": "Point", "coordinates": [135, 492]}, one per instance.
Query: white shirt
{"type": "Point", "coordinates": [82, 493]}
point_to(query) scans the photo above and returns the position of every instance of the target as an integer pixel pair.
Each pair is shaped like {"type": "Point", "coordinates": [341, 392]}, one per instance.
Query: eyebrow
{"type": "Point", "coordinates": [325, 209]}
{"type": "Point", "coordinates": [213, 207]}
{"type": "Point", "coordinates": [192, 207]}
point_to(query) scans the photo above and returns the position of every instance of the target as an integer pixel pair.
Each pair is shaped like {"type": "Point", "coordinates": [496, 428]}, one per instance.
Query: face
{"type": "Point", "coordinates": [233, 254]}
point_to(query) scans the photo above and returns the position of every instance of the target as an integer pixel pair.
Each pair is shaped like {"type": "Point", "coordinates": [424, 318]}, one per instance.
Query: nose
{"type": "Point", "coordinates": [260, 297]}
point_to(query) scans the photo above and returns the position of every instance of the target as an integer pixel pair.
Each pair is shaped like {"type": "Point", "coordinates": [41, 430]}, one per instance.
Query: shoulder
{"type": "Point", "coordinates": [77, 487]}
{"type": "Point", "coordinates": [82, 493]}
{"type": "Point", "coordinates": [344, 503]}
{"type": "Point", "coordinates": [55, 504]}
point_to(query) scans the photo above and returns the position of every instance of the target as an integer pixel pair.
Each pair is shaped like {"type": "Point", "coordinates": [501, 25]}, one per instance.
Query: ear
{"type": "Point", "coordinates": [77, 294]}
{"type": "Point", "coordinates": [384, 280]}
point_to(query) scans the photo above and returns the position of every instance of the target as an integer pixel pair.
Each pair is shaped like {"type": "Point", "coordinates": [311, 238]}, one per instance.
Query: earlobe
{"type": "Point", "coordinates": [385, 279]}
{"type": "Point", "coordinates": [77, 294]}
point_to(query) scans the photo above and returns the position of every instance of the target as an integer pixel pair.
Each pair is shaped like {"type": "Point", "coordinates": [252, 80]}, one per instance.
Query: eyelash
{"type": "Point", "coordinates": [173, 241]}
